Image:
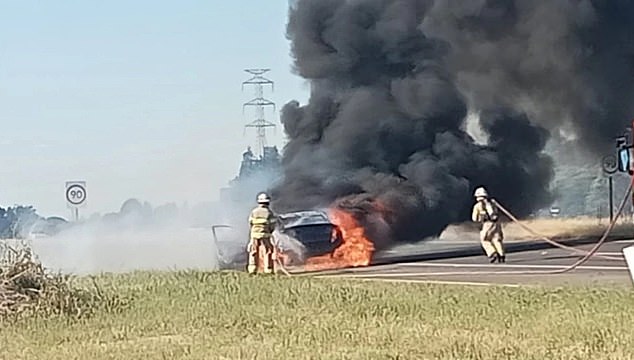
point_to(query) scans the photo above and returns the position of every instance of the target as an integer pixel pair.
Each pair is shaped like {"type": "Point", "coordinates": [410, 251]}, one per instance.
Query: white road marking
{"type": "Point", "coordinates": [469, 283]}
{"type": "Point", "coordinates": [421, 274]}
{"type": "Point", "coordinates": [361, 269]}
{"type": "Point", "coordinates": [511, 266]}
{"type": "Point", "coordinates": [489, 269]}
{"type": "Point", "coordinates": [624, 241]}
{"type": "Point", "coordinates": [609, 254]}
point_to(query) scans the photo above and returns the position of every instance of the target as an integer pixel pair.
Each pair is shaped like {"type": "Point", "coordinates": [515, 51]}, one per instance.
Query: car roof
{"type": "Point", "coordinates": [304, 218]}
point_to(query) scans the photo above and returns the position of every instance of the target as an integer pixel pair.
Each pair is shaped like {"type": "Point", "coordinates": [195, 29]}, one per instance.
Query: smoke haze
{"type": "Point", "coordinates": [142, 237]}
{"type": "Point", "coordinates": [392, 83]}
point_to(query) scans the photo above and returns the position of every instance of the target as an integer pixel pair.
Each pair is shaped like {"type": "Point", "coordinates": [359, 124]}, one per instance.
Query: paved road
{"type": "Point", "coordinates": [522, 268]}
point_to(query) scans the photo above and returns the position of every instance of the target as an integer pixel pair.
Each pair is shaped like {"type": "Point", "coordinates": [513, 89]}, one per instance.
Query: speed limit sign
{"type": "Point", "coordinates": [76, 193]}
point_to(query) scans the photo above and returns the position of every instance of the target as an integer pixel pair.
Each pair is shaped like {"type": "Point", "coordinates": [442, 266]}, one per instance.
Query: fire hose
{"type": "Point", "coordinates": [588, 254]}
{"type": "Point", "coordinates": [585, 258]}
{"type": "Point", "coordinates": [546, 239]}
{"type": "Point", "coordinates": [279, 264]}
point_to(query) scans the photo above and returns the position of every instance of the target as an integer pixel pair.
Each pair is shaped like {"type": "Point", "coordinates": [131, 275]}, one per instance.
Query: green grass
{"type": "Point", "coordinates": [196, 315]}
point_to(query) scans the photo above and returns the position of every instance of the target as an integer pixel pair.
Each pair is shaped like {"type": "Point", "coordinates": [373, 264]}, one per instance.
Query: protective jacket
{"type": "Point", "coordinates": [484, 211]}
{"type": "Point", "coordinates": [262, 222]}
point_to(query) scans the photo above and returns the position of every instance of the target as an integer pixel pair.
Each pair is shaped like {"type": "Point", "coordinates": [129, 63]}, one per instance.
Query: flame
{"type": "Point", "coordinates": [355, 250]}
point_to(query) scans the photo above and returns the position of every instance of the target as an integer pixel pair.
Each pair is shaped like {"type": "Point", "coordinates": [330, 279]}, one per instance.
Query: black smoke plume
{"type": "Point", "coordinates": [391, 85]}
{"type": "Point", "coordinates": [568, 63]}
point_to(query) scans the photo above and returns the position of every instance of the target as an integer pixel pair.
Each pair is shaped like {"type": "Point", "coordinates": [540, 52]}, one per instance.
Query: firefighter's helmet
{"type": "Point", "coordinates": [263, 198]}
{"type": "Point", "coordinates": [480, 192]}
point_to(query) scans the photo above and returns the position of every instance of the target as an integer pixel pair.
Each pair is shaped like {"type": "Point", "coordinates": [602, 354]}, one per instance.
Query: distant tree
{"type": "Point", "coordinates": [165, 213]}
{"type": "Point", "coordinates": [5, 223]}
{"type": "Point", "coordinates": [131, 206]}
{"type": "Point", "coordinates": [17, 222]}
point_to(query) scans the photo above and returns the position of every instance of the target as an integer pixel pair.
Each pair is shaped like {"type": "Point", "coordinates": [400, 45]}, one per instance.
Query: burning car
{"type": "Point", "coordinates": [314, 231]}
{"type": "Point", "coordinates": [299, 235]}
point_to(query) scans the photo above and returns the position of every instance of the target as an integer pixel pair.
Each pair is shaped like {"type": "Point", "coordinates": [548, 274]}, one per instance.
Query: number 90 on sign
{"type": "Point", "coordinates": [76, 194]}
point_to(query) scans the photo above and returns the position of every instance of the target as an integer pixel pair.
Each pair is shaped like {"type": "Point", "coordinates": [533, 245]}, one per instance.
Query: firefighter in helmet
{"type": "Point", "coordinates": [262, 222]}
{"type": "Point", "coordinates": [491, 236]}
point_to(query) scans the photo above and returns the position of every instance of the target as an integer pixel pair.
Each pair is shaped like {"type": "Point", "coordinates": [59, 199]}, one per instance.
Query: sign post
{"type": "Point", "coordinates": [628, 252]}
{"type": "Point", "coordinates": [610, 167]}
{"type": "Point", "coordinates": [75, 196]}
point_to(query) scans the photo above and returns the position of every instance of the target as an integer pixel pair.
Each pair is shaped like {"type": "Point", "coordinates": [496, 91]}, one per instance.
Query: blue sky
{"type": "Point", "coordinates": [138, 98]}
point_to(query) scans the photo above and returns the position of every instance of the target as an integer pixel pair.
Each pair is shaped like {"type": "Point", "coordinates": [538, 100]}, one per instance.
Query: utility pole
{"type": "Point", "coordinates": [259, 102]}
{"type": "Point", "coordinates": [610, 166]}
{"type": "Point", "coordinates": [611, 192]}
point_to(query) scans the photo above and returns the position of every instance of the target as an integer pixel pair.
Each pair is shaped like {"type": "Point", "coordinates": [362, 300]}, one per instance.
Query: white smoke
{"type": "Point", "coordinates": [141, 238]}
{"type": "Point", "coordinates": [92, 248]}
{"type": "Point", "coordinates": [291, 246]}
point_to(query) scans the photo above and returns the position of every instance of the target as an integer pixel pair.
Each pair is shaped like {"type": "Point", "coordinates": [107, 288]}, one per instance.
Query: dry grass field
{"type": "Point", "coordinates": [555, 228]}
{"type": "Point", "coordinates": [570, 227]}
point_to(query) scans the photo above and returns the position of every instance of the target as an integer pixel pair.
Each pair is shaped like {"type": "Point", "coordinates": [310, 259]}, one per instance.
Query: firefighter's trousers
{"type": "Point", "coordinates": [491, 238]}
{"type": "Point", "coordinates": [260, 249]}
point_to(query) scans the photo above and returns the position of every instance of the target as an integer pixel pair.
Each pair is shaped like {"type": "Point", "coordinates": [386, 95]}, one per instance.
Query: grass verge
{"type": "Point", "coordinates": [228, 315]}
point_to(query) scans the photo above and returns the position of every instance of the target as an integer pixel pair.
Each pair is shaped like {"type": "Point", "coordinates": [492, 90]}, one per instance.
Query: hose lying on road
{"type": "Point", "coordinates": [587, 254]}
{"type": "Point", "coordinates": [546, 239]}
